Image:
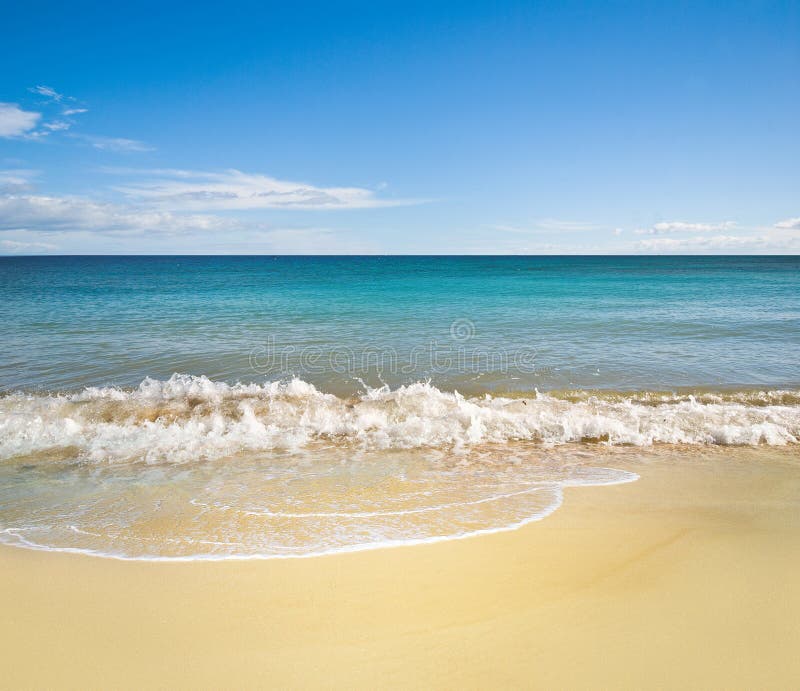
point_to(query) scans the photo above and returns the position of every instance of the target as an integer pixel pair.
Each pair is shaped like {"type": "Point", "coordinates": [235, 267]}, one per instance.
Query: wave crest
{"type": "Point", "coordinates": [187, 418]}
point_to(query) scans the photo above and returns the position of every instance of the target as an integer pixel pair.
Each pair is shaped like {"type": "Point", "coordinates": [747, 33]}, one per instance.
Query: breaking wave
{"type": "Point", "coordinates": [188, 418]}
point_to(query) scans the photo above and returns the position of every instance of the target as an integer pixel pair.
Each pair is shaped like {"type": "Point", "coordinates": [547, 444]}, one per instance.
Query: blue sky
{"type": "Point", "coordinates": [491, 127]}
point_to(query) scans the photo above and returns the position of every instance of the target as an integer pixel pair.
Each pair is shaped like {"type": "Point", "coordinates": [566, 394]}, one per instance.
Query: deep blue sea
{"type": "Point", "coordinates": [269, 407]}
{"type": "Point", "coordinates": [467, 323]}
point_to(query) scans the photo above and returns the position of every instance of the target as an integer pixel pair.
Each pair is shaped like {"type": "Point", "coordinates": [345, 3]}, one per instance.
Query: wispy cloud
{"type": "Point", "coordinates": [671, 237]}
{"type": "Point", "coordinates": [118, 144]}
{"type": "Point", "coordinates": [722, 243]}
{"type": "Point", "coordinates": [789, 224]}
{"type": "Point", "coordinates": [16, 180]}
{"type": "Point", "coordinates": [15, 122]}
{"type": "Point", "coordinates": [47, 92]}
{"type": "Point", "coordinates": [665, 227]}
{"type": "Point", "coordinates": [56, 114]}
{"type": "Point", "coordinates": [549, 225]}
{"type": "Point", "coordinates": [17, 246]}
{"type": "Point", "coordinates": [32, 224]}
{"type": "Point", "coordinates": [41, 213]}
{"type": "Point", "coordinates": [60, 122]}
{"type": "Point", "coordinates": [156, 216]}
{"type": "Point", "coordinates": [33, 124]}
{"type": "Point", "coordinates": [57, 125]}
{"type": "Point", "coordinates": [233, 189]}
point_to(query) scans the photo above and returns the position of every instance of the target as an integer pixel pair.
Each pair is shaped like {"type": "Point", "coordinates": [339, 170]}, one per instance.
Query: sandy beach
{"type": "Point", "coordinates": [686, 578]}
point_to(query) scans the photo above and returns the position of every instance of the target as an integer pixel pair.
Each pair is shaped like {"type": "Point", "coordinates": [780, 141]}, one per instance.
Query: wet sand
{"type": "Point", "coordinates": [684, 579]}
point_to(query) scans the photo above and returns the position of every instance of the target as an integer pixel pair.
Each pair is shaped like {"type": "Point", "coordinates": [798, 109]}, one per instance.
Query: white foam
{"type": "Point", "coordinates": [189, 418]}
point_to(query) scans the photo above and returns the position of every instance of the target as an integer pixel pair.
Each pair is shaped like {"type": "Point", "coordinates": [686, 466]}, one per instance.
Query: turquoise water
{"type": "Point", "coordinates": [269, 407]}
{"type": "Point", "coordinates": [470, 323]}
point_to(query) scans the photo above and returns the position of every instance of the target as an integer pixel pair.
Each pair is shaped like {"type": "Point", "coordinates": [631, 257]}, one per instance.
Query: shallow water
{"type": "Point", "coordinates": [264, 505]}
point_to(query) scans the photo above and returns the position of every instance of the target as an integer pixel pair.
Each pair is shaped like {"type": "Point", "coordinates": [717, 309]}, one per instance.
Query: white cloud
{"type": "Point", "coordinates": [58, 214]}
{"type": "Point", "coordinates": [544, 248]}
{"type": "Point", "coordinates": [549, 225]}
{"type": "Point", "coordinates": [119, 144]}
{"type": "Point", "coordinates": [720, 243]}
{"type": "Point", "coordinates": [665, 227]}
{"type": "Point", "coordinates": [789, 224]}
{"type": "Point", "coordinates": [33, 247]}
{"type": "Point", "coordinates": [16, 180]}
{"type": "Point", "coordinates": [47, 92]}
{"type": "Point", "coordinates": [15, 122]}
{"type": "Point", "coordinates": [233, 189]}
{"type": "Point", "coordinates": [37, 223]}
{"type": "Point", "coordinates": [57, 125]}
{"type": "Point", "coordinates": [157, 219]}
{"type": "Point", "coordinates": [618, 231]}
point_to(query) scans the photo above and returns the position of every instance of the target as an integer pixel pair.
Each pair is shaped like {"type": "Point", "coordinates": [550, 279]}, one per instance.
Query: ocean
{"type": "Point", "coordinates": [260, 407]}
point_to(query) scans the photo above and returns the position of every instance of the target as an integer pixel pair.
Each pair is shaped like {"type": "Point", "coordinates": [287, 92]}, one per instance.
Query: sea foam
{"type": "Point", "coordinates": [188, 418]}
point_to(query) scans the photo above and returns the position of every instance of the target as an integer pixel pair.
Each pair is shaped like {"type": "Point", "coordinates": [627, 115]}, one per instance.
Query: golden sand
{"type": "Point", "coordinates": [686, 578]}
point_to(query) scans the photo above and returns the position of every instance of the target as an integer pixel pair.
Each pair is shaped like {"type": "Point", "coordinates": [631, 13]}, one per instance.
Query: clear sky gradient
{"type": "Point", "coordinates": [413, 127]}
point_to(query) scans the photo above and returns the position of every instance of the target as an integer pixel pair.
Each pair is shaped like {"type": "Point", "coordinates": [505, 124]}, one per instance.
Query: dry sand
{"type": "Point", "coordinates": [688, 578]}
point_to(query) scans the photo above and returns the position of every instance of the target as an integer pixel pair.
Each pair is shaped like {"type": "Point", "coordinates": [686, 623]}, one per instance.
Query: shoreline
{"type": "Point", "coordinates": [683, 578]}
{"type": "Point", "coordinates": [353, 549]}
